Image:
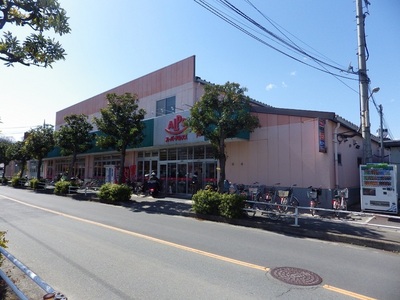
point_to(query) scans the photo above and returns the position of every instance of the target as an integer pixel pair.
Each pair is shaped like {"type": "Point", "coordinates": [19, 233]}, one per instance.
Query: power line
{"type": "Point", "coordinates": [288, 43]}
{"type": "Point", "coordinates": [281, 29]}
{"type": "Point", "coordinates": [276, 25]}
{"type": "Point", "coordinates": [281, 41]}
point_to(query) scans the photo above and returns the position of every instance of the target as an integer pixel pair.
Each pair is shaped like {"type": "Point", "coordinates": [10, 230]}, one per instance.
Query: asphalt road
{"type": "Point", "coordinates": [89, 250]}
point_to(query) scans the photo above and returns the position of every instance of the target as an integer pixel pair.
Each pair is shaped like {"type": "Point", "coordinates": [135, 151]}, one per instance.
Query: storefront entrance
{"type": "Point", "coordinates": [177, 166]}
{"type": "Point", "coordinates": [177, 177]}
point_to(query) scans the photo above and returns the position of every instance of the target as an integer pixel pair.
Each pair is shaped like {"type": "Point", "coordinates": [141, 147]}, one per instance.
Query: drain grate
{"type": "Point", "coordinates": [296, 276]}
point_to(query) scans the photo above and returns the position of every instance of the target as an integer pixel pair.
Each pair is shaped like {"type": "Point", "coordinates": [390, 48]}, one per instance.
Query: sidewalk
{"type": "Point", "coordinates": [362, 229]}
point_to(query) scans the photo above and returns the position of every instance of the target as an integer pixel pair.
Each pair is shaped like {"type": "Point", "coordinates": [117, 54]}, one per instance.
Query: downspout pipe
{"type": "Point", "coordinates": [335, 149]}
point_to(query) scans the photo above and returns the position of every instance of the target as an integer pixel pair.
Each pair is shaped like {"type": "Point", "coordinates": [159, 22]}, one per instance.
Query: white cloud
{"type": "Point", "coordinates": [293, 73]}
{"type": "Point", "coordinates": [270, 86]}
{"type": "Point", "coordinates": [284, 85]}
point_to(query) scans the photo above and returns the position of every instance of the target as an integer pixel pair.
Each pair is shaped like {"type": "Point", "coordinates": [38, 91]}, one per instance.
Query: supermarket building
{"type": "Point", "coordinates": [306, 148]}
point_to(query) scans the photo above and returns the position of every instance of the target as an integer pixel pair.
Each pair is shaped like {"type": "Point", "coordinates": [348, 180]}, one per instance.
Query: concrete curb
{"type": "Point", "coordinates": [305, 232]}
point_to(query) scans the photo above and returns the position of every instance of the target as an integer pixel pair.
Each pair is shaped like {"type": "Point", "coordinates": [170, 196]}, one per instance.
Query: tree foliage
{"type": "Point", "coordinates": [222, 112]}
{"type": "Point", "coordinates": [74, 138]}
{"type": "Point", "coordinates": [39, 143]}
{"type": "Point", "coordinates": [5, 156]}
{"type": "Point", "coordinates": [18, 153]}
{"type": "Point", "coordinates": [40, 16]}
{"type": "Point", "coordinates": [121, 122]}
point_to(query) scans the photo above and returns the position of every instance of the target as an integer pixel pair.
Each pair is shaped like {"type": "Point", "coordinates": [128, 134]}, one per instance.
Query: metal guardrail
{"type": "Point", "coordinates": [51, 294]}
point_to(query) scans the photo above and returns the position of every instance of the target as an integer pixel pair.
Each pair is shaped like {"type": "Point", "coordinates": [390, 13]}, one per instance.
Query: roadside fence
{"type": "Point", "coordinates": [299, 212]}
{"type": "Point", "coordinates": [51, 294]}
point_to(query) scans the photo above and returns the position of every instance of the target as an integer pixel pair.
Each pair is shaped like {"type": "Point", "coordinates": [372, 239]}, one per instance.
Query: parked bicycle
{"type": "Point", "coordinates": [256, 192]}
{"type": "Point", "coordinates": [272, 194]}
{"type": "Point", "coordinates": [287, 199]}
{"type": "Point", "coordinates": [339, 201]}
{"type": "Point", "coordinates": [92, 184]}
{"type": "Point", "coordinates": [138, 188]}
{"type": "Point", "coordinates": [272, 198]}
{"type": "Point", "coordinates": [253, 195]}
{"type": "Point", "coordinates": [313, 194]}
{"type": "Point", "coordinates": [241, 190]}
{"type": "Point", "coordinates": [260, 201]}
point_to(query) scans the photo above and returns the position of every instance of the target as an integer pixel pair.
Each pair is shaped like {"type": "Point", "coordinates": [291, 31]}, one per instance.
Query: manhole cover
{"type": "Point", "coordinates": [296, 276]}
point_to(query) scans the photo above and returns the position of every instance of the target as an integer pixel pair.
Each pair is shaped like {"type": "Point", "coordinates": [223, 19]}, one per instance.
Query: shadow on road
{"type": "Point", "coordinates": [157, 206]}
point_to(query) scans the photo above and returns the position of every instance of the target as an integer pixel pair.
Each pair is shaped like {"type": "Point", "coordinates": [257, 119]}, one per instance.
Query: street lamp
{"type": "Point", "coordinates": [374, 90]}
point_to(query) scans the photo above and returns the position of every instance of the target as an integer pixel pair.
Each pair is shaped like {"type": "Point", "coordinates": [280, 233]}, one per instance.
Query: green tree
{"type": "Point", "coordinates": [121, 122]}
{"type": "Point", "coordinates": [40, 16]}
{"type": "Point", "coordinates": [5, 156]}
{"type": "Point", "coordinates": [222, 112]}
{"type": "Point", "coordinates": [39, 143]}
{"type": "Point", "coordinates": [74, 138]}
{"type": "Point", "coordinates": [17, 152]}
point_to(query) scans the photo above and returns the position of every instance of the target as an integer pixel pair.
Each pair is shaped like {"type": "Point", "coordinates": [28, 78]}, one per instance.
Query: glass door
{"type": "Point", "coordinates": [171, 178]}
{"type": "Point", "coordinates": [163, 179]}
{"type": "Point", "coordinates": [182, 178]}
{"type": "Point", "coordinates": [210, 176]}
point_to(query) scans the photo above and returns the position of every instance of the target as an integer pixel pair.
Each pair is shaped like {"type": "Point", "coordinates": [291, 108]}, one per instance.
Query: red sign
{"type": "Point", "coordinates": [176, 126]}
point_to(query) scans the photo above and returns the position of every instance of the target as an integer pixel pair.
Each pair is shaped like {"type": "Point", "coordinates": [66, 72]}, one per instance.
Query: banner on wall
{"type": "Point", "coordinates": [321, 135]}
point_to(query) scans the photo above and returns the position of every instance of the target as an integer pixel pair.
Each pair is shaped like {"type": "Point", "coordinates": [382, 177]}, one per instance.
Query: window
{"type": "Point", "coordinates": [100, 161]}
{"type": "Point", "coordinates": [165, 106]}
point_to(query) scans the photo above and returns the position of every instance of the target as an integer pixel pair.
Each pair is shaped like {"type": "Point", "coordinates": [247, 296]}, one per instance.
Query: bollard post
{"type": "Point", "coordinates": [296, 217]}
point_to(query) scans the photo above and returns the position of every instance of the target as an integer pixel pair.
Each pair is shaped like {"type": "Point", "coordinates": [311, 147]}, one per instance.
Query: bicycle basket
{"type": "Point", "coordinates": [283, 194]}
{"type": "Point", "coordinates": [269, 195]}
{"type": "Point", "coordinates": [312, 194]}
{"type": "Point", "coordinates": [344, 193]}
{"type": "Point", "coordinates": [253, 190]}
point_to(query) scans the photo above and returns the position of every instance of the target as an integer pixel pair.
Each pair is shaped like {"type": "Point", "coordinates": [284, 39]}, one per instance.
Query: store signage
{"type": "Point", "coordinates": [321, 135]}
{"type": "Point", "coordinates": [176, 126]}
{"type": "Point", "coordinates": [176, 129]}
{"type": "Point", "coordinates": [170, 130]}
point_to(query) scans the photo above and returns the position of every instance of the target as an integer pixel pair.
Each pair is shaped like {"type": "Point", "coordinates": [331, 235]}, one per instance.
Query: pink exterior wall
{"type": "Point", "coordinates": [348, 171]}
{"type": "Point", "coordinates": [154, 86]}
{"type": "Point", "coordinates": [286, 150]}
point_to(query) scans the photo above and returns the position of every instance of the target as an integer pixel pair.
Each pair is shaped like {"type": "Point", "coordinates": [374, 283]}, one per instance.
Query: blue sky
{"type": "Point", "coordinates": [113, 42]}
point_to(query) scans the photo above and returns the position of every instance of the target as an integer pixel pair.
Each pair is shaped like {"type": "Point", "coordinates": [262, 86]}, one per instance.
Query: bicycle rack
{"type": "Point", "coordinates": [297, 214]}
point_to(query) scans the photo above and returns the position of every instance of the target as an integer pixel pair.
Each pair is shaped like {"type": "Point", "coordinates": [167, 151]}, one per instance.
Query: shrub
{"type": "Point", "coordinates": [3, 181]}
{"type": "Point", "coordinates": [231, 206]}
{"type": "Point", "coordinates": [15, 181]}
{"type": "Point", "coordinates": [206, 202]}
{"type": "Point", "coordinates": [3, 243]}
{"type": "Point", "coordinates": [33, 183]}
{"type": "Point", "coordinates": [61, 187]}
{"type": "Point", "coordinates": [111, 192]}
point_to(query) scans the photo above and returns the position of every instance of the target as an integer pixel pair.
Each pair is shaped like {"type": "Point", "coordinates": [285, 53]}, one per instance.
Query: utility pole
{"type": "Point", "coordinates": [381, 133]}
{"type": "Point", "coordinates": [363, 85]}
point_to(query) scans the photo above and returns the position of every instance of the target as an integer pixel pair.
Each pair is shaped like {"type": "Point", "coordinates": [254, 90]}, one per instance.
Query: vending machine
{"type": "Point", "coordinates": [378, 188]}
{"type": "Point", "coordinates": [111, 172]}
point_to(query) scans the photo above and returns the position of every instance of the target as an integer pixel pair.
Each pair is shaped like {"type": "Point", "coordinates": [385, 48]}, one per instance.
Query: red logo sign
{"type": "Point", "coordinates": [176, 126]}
